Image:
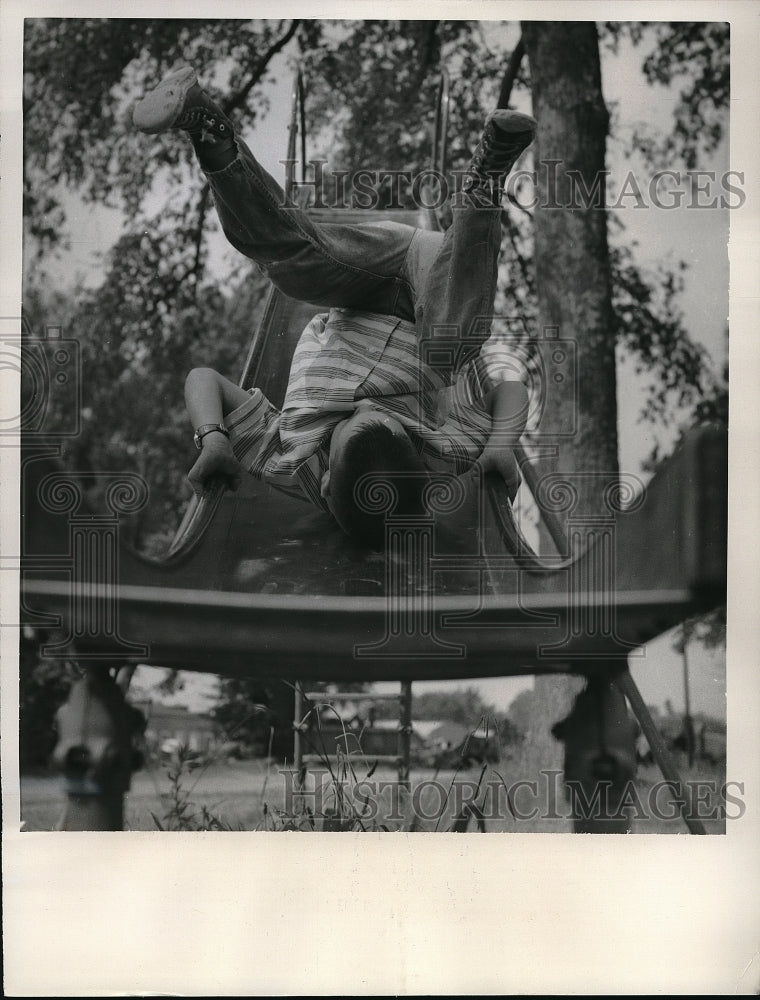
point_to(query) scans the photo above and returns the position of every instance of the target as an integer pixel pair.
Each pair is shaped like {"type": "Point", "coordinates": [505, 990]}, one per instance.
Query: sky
{"type": "Point", "coordinates": [698, 237]}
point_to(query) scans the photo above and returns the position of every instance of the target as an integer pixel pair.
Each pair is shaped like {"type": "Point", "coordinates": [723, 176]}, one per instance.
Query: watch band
{"type": "Point", "coordinates": [205, 429]}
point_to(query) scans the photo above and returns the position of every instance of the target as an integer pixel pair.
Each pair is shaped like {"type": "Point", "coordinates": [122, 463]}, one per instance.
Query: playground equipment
{"type": "Point", "coordinates": [258, 583]}
{"type": "Point", "coordinates": [306, 702]}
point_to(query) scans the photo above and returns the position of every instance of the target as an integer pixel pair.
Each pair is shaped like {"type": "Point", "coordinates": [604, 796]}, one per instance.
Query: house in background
{"type": "Point", "coordinates": [455, 744]}
{"type": "Point", "coordinates": [170, 727]}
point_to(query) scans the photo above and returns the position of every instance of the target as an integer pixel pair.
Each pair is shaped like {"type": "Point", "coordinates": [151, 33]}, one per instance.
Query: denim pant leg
{"type": "Point", "coordinates": [455, 290]}
{"type": "Point", "coordinates": [444, 283]}
{"type": "Point", "coordinates": [350, 266]}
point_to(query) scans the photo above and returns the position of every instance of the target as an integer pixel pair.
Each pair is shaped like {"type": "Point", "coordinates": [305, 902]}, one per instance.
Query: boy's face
{"type": "Point", "coordinates": [365, 414]}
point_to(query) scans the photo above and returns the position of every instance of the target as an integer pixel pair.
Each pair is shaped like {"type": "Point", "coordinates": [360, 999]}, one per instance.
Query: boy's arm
{"type": "Point", "coordinates": [209, 398]}
{"type": "Point", "coordinates": [507, 403]}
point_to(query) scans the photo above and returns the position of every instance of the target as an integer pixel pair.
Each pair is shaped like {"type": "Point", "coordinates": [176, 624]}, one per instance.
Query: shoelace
{"type": "Point", "coordinates": [493, 151]}
{"type": "Point", "coordinates": [199, 117]}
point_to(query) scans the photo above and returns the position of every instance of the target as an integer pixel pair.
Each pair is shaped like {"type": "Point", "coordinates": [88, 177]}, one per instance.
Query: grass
{"type": "Point", "coordinates": [256, 795]}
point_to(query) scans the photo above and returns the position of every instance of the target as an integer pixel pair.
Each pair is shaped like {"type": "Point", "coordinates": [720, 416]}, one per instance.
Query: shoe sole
{"type": "Point", "coordinates": [159, 109]}
{"type": "Point", "coordinates": [513, 121]}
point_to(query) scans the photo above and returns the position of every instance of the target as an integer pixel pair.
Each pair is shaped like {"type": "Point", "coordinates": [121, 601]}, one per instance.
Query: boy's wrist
{"type": "Point", "coordinates": [215, 439]}
{"type": "Point", "coordinates": [205, 431]}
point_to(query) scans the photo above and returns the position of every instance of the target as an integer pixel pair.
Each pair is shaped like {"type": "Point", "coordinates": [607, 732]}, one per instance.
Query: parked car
{"type": "Point", "coordinates": [711, 745]}
{"type": "Point", "coordinates": [170, 749]}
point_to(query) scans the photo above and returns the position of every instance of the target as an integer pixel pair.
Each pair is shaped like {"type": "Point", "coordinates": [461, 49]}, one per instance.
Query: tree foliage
{"type": "Point", "coordinates": [82, 77]}
{"type": "Point", "coordinates": [257, 713]}
{"type": "Point", "coordinates": [387, 75]}
{"type": "Point", "coordinates": [522, 710]}
{"type": "Point", "coordinates": [43, 687]}
{"type": "Point", "coordinates": [158, 310]}
{"type": "Point", "coordinates": [708, 629]}
{"type": "Point", "coordinates": [388, 72]}
{"type": "Point", "coordinates": [137, 344]}
{"type": "Point", "coordinates": [694, 55]}
{"type": "Point", "coordinates": [650, 326]}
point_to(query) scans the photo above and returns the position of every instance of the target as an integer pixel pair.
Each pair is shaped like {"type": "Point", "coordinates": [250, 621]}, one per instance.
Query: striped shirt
{"type": "Point", "coordinates": [342, 358]}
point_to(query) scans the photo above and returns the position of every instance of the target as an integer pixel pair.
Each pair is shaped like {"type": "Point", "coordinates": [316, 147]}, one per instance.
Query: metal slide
{"type": "Point", "coordinates": [258, 583]}
{"type": "Point", "coordinates": [272, 586]}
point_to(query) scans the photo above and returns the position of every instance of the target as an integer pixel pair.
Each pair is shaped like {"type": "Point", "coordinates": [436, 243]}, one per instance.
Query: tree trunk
{"type": "Point", "coordinates": [571, 252]}
{"type": "Point", "coordinates": [574, 291]}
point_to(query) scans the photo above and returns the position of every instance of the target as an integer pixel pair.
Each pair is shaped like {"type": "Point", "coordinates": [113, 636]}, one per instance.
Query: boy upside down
{"type": "Point", "coordinates": [362, 401]}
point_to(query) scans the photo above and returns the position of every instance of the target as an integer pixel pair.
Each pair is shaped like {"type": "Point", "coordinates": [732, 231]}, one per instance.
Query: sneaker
{"type": "Point", "coordinates": [506, 135]}
{"type": "Point", "coordinates": [178, 102]}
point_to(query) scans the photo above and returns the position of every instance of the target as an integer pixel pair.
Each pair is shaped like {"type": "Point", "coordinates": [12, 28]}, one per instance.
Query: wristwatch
{"type": "Point", "coordinates": [205, 429]}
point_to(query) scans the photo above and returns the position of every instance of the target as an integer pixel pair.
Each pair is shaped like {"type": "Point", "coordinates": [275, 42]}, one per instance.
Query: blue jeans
{"type": "Point", "coordinates": [443, 283]}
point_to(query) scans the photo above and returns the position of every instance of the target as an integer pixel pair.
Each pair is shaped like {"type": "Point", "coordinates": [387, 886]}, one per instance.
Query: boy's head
{"type": "Point", "coordinates": [371, 443]}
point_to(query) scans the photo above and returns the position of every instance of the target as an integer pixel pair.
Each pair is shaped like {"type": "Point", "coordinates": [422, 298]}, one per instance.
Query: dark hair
{"type": "Point", "coordinates": [375, 461]}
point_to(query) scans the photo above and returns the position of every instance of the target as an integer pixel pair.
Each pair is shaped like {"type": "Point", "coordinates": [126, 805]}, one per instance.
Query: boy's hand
{"type": "Point", "coordinates": [215, 460]}
{"type": "Point", "coordinates": [501, 459]}
{"type": "Point", "coordinates": [458, 529]}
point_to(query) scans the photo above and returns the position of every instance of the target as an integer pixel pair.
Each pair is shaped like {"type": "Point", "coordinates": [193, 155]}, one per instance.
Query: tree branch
{"type": "Point", "coordinates": [521, 262]}
{"type": "Point", "coordinates": [198, 240]}
{"type": "Point", "coordinates": [511, 74]}
{"type": "Point", "coordinates": [237, 100]}
{"type": "Point", "coordinates": [513, 201]}
{"type": "Point", "coordinates": [429, 52]}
